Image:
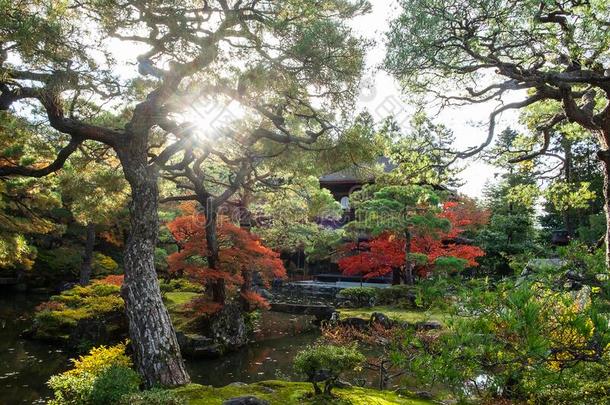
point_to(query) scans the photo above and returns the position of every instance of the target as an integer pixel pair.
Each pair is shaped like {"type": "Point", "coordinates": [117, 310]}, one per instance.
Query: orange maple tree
{"type": "Point", "coordinates": [379, 256]}
{"type": "Point", "coordinates": [241, 255]}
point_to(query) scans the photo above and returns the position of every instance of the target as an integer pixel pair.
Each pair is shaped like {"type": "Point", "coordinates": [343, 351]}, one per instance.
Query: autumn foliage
{"type": "Point", "coordinates": [241, 255]}
{"type": "Point", "coordinates": [379, 256]}
{"type": "Point", "coordinates": [113, 279]}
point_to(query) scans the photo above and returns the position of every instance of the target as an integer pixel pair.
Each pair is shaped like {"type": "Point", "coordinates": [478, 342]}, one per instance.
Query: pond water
{"type": "Point", "coordinates": [26, 365]}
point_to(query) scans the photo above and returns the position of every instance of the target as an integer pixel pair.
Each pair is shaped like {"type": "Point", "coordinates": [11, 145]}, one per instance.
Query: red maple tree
{"type": "Point", "coordinates": [379, 256]}
{"type": "Point", "coordinates": [241, 255]}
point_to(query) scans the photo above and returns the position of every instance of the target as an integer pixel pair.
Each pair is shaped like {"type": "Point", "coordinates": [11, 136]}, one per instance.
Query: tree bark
{"type": "Point", "coordinates": [85, 269]}
{"type": "Point", "coordinates": [604, 157]}
{"type": "Point", "coordinates": [396, 276]}
{"type": "Point", "coordinates": [568, 213]}
{"type": "Point", "coordinates": [156, 351]}
{"type": "Point", "coordinates": [246, 287]}
{"type": "Point", "coordinates": [211, 236]}
{"type": "Point", "coordinates": [408, 265]}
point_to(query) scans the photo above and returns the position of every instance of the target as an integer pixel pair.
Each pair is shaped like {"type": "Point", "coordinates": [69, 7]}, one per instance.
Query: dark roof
{"type": "Point", "coordinates": [361, 173]}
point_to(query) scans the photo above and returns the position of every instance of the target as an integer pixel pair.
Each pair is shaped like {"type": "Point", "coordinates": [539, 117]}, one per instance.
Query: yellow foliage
{"type": "Point", "coordinates": [100, 358]}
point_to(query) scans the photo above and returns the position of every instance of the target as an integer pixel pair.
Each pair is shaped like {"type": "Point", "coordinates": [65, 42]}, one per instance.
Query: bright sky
{"type": "Point", "coordinates": [381, 96]}
{"type": "Point", "coordinates": [384, 97]}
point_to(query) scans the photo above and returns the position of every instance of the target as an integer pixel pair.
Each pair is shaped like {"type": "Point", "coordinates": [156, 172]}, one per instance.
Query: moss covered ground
{"type": "Point", "coordinates": [289, 393]}
{"type": "Point", "coordinates": [394, 313]}
{"type": "Point", "coordinates": [181, 316]}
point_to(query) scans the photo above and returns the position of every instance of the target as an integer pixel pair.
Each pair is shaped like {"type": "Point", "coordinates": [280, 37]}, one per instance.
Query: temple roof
{"type": "Point", "coordinates": [361, 173]}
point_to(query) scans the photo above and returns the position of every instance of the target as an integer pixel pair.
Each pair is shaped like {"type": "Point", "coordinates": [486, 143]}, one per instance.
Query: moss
{"type": "Point", "coordinates": [175, 302]}
{"type": "Point", "coordinates": [58, 318]}
{"type": "Point", "coordinates": [175, 299]}
{"type": "Point", "coordinates": [288, 393]}
{"type": "Point", "coordinates": [396, 314]}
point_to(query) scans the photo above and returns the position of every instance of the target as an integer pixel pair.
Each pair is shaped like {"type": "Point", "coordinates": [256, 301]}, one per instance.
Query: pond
{"type": "Point", "coordinates": [26, 365]}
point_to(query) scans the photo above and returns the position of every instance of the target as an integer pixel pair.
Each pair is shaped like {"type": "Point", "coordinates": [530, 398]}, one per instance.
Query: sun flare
{"type": "Point", "coordinates": [211, 119]}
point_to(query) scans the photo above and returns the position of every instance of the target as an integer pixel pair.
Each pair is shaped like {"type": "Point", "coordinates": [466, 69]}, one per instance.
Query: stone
{"type": "Point", "coordinates": [263, 293]}
{"type": "Point", "coordinates": [342, 384]}
{"type": "Point", "coordinates": [429, 325]}
{"type": "Point", "coordinates": [109, 327]}
{"type": "Point", "coordinates": [238, 384]}
{"type": "Point", "coordinates": [381, 319]}
{"type": "Point", "coordinates": [216, 335]}
{"type": "Point", "coordinates": [423, 395]}
{"type": "Point", "coordinates": [355, 322]}
{"type": "Point", "coordinates": [245, 400]}
{"type": "Point", "coordinates": [320, 311]}
{"type": "Point", "coordinates": [334, 318]}
{"type": "Point", "coordinates": [198, 346]}
{"type": "Point", "coordinates": [66, 286]}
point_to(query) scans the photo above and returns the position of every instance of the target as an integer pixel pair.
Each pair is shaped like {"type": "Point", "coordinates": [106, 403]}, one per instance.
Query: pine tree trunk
{"type": "Point", "coordinates": [156, 351]}
{"type": "Point", "coordinates": [568, 213]}
{"type": "Point", "coordinates": [85, 270]}
{"type": "Point", "coordinates": [408, 265]}
{"type": "Point", "coordinates": [211, 237]}
{"type": "Point", "coordinates": [604, 157]}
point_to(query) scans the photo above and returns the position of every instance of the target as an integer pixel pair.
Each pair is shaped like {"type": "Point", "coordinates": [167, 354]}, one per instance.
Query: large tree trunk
{"type": "Point", "coordinates": [85, 269]}
{"type": "Point", "coordinates": [604, 157]}
{"type": "Point", "coordinates": [156, 351]}
{"type": "Point", "coordinates": [408, 265]}
{"type": "Point", "coordinates": [396, 276]}
{"type": "Point", "coordinates": [211, 236]}
{"type": "Point", "coordinates": [246, 287]}
{"type": "Point", "coordinates": [568, 213]}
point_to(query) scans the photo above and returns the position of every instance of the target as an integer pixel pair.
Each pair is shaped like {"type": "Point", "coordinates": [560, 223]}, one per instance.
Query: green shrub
{"type": "Point", "coordinates": [326, 363]}
{"type": "Point", "coordinates": [77, 386]}
{"type": "Point", "coordinates": [100, 358]}
{"type": "Point", "coordinates": [58, 317]}
{"type": "Point", "coordinates": [155, 396]}
{"type": "Point", "coordinates": [161, 260]}
{"type": "Point", "coordinates": [70, 389]}
{"type": "Point", "coordinates": [449, 265]}
{"type": "Point", "coordinates": [112, 384]}
{"type": "Point", "coordinates": [104, 265]}
{"type": "Point", "coordinates": [397, 295]}
{"type": "Point", "coordinates": [359, 296]}
{"type": "Point", "coordinates": [179, 285]}
{"type": "Point", "coordinates": [62, 263]}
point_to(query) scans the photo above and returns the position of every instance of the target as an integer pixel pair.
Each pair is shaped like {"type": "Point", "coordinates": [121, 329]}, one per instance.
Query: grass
{"type": "Point", "coordinates": [396, 314]}
{"type": "Point", "coordinates": [289, 393]}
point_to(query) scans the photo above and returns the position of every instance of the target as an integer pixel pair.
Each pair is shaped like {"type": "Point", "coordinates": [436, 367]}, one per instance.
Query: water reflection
{"type": "Point", "coordinates": [26, 365]}
{"type": "Point", "coordinates": [263, 360]}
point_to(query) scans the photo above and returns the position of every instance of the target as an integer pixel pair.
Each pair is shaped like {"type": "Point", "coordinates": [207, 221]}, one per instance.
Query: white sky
{"type": "Point", "coordinates": [468, 123]}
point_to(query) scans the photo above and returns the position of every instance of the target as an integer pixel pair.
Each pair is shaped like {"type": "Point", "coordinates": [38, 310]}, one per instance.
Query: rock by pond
{"type": "Point", "coordinates": [245, 400]}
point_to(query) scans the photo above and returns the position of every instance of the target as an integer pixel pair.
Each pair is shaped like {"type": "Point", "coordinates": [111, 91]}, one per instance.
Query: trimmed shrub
{"type": "Point", "coordinates": [104, 265]}
{"type": "Point", "coordinates": [179, 285]}
{"type": "Point", "coordinates": [397, 295]}
{"type": "Point", "coordinates": [71, 389]}
{"type": "Point", "coordinates": [77, 386]}
{"type": "Point", "coordinates": [62, 263]}
{"type": "Point", "coordinates": [112, 384]}
{"type": "Point", "coordinates": [57, 318]}
{"type": "Point", "coordinates": [359, 296]}
{"type": "Point", "coordinates": [326, 363]}
{"type": "Point", "coordinates": [100, 358]}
